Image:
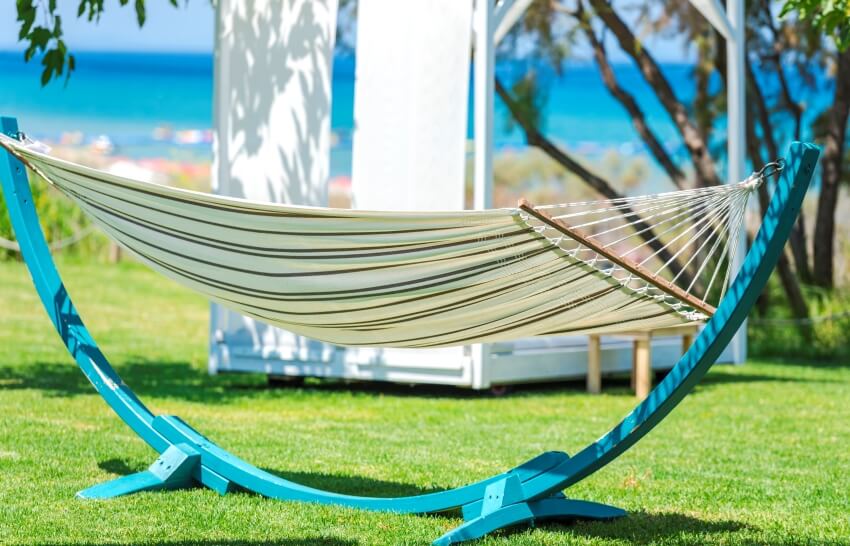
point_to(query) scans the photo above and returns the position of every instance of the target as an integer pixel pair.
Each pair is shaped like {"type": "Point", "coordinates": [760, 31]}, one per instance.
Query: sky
{"type": "Point", "coordinates": [190, 28]}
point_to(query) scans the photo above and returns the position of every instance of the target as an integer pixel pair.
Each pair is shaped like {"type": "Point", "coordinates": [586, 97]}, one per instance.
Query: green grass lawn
{"type": "Point", "coordinates": [759, 454]}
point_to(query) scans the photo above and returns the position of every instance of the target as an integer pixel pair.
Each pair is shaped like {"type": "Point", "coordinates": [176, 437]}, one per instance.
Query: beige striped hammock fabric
{"type": "Point", "coordinates": [425, 279]}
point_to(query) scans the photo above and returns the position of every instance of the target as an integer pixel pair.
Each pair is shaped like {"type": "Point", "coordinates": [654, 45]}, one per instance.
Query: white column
{"type": "Point", "coordinates": [271, 126]}
{"type": "Point", "coordinates": [484, 84]}
{"type": "Point", "coordinates": [737, 144]}
{"type": "Point", "coordinates": [411, 102]}
{"type": "Point", "coordinates": [485, 59]}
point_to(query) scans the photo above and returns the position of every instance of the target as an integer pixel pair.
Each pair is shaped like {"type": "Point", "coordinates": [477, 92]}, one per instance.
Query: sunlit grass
{"type": "Point", "coordinates": [759, 454]}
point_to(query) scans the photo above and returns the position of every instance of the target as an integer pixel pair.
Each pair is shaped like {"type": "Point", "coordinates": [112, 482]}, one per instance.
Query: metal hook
{"type": "Point", "coordinates": [771, 169]}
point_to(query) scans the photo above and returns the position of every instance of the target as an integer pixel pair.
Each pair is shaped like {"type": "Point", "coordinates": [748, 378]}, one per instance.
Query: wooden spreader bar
{"type": "Point", "coordinates": [632, 267]}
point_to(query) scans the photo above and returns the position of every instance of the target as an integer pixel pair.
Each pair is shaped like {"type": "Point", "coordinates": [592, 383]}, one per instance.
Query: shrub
{"type": "Point", "coordinates": [826, 335]}
{"type": "Point", "coordinates": [60, 219]}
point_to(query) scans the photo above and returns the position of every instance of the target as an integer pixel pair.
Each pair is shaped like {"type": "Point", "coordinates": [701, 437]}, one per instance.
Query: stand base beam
{"type": "Point", "coordinates": [176, 468]}
{"type": "Point", "coordinates": [549, 509]}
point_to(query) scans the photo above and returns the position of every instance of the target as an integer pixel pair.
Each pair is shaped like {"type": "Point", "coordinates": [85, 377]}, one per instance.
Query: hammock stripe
{"type": "Point", "coordinates": [391, 279]}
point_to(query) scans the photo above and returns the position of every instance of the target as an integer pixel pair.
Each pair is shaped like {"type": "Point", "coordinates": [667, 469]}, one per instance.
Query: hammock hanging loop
{"type": "Point", "coordinates": [772, 169]}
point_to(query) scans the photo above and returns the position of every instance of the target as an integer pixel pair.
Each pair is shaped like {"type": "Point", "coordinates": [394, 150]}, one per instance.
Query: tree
{"type": "Point", "coordinates": [773, 45]}
{"type": "Point", "coordinates": [46, 38]}
{"type": "Point", "coordinates": [832, 19]}
{"type": "Point", "coordinates": [832, 168]}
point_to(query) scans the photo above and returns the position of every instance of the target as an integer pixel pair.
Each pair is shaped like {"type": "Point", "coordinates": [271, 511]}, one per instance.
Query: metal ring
{"type": "Point", "coordinates": [771, 169]}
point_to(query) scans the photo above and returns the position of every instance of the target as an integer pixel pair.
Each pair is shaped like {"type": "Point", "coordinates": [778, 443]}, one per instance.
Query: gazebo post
{"type": "Point", "coordinates": [736, 136]}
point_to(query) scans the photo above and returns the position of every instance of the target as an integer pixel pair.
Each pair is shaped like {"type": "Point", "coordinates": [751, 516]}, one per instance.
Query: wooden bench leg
{"type": "Point", "coordinates": [687, 341]}
{"type": "Point", "coordinates": [594, 365]}
{"type": "Point", "coordinates": [642, 367]}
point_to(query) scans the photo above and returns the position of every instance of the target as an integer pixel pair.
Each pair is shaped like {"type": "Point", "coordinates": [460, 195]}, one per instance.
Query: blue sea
{"type": "Point", "coordinates": [131, 97]}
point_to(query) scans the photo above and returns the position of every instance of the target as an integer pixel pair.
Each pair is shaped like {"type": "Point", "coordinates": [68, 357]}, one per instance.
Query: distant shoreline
{"type": "Point", "coordinates": [135, 100]}
{"type": "Point", "coordinates": [339, 54]}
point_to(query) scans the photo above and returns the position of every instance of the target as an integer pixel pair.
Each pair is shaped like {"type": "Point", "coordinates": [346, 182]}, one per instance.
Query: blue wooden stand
{"type": "Point", "coordinates": [529, 492]}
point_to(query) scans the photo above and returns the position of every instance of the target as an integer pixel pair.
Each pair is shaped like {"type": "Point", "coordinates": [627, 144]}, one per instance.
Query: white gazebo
{"type": "Point", "coordinates": [273, 65]}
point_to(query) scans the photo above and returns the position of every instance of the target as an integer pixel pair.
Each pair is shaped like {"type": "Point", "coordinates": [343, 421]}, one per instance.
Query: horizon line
{"type": "Point", "coordinates": [342, 53]}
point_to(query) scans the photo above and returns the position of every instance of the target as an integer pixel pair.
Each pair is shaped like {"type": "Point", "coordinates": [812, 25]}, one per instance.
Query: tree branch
{"type": "Point", "coordinates": [787, 278]}
{"type": "Point", "coordinates": [694, 141]}
{"type": "Point", "coordinates": [630, 104]}
{"type": "Point", "coordinates": [790, 103]}
{"type": "Point", "coordinates": [797, 240]}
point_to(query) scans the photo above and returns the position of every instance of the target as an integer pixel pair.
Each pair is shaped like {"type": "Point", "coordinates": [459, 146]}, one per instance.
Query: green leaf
{"type": "Point", "coordinates": [72, 64]}
{"type": "Point", "coordinates": [46, 74]}
{"type": "Point", "coordinates": [53, 62]}
{"type": "Point", "coordinates": [140, 12]}
{"type": "Point", "coordinates": [39, 37]}
{"type": "Point", "coordinates": [26, 15]}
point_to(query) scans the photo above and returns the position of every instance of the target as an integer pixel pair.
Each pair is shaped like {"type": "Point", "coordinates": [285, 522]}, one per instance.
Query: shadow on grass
{"type": "Point", "coordinates": [118, 466]}
{"type": "Point", "coordinates": [720, 379]}
{"type": "Point", "coordinates": [179, 380]}
{"type": "Point", "coordinates": [182, 381]}
{"type": "Point", "coordinates": [354, 485]}
{"type": "Point", "coordinates": [643, 528]}
{"type": "Point", "coordinates": [800, 362]}
{"type": "Point", "coordinates": [311, 541]}
{"type": "Point", "coordinates": [169, 379]}
{"type": "Point", "coordinates": [335, 483]}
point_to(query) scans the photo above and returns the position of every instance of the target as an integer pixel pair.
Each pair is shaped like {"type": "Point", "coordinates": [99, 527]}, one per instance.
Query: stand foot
{"type": "Point", "coordinates": [176, 468]}
{"type": "Point", "coordinates": [503, 507]}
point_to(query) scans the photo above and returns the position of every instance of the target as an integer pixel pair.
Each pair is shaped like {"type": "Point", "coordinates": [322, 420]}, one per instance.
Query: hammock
{"type": "Point", "coordinates": [425, 279]}
{"type": "Point", "coordinates": [528, 492]}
